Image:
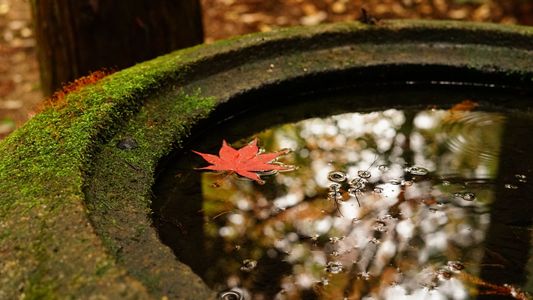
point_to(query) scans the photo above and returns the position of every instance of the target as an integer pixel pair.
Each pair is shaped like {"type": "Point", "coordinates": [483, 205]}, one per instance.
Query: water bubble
{"type": "Point", "coordinates": [337, 176]}
{"type": "Point", "coordinates": [215, 185]}
{"type": "Point", "coordinates": [395, 182]}
{"type": "Point", "coordinates": [231, 295]}
{"type": "Point", "coordinates": [444, 274]}
{"type": "Point", "coordinates": [378, 190]}
{"type": "Point", "coordinates": [324, 281]}
{"type": "Point", "coordinates": [418, 171]}
{"type": "Point", "coordinates": [363, 174]}
{"type": "Point", "coordinates": [335, 187]}
{"type": "Point", "coordinates": [359, 183]}
{"type": "Point", "coordinates": [334, 267]}
{"type": "Point", "coordinates": [469, 196]}
{"type": "Point", "coordinates": [353, 192]}
{"type": "Point", "coordinates": [335, 196]}
{"type": "Point", "coordinates": [380, 226]}
{"type": "Point", "coordinates": [364, 275]}
{"type": "Point", "coordinates": [446, 182]}
{"type": "Point", "coordinates": [248, 265]}
{"type": "Point", "coordinates": [374, 241]}
{"type": "Point", "coordinates": [511, 186]}
{"type": "Point", "coordinates": [335, 239]}
{"type": "Point", "coordinates": [387, 217]}
{"type": "Point", "coordinates": [383, 168]}
{"type": "Point", "coordinates": [455, 266]}
{"type": "Point", "coordinates": [431, 285]}
{"type": "Point", "coordinates": [521, 178]}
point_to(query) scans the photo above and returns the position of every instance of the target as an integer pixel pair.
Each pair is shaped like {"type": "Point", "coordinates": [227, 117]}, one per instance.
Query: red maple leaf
{"type": "Point", "coordinates": [246, 162]}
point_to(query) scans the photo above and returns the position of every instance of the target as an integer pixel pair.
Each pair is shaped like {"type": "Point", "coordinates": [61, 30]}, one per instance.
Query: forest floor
{"type": "Point", "coordinates": [19, 71]}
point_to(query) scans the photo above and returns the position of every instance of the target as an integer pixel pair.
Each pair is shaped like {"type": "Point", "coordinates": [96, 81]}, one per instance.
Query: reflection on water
{"type": "Point", "coordinates": [384, 205]}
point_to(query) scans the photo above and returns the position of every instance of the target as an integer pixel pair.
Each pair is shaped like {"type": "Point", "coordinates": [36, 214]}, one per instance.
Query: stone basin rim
{"type": "Point", "coordinates": [64, 230]}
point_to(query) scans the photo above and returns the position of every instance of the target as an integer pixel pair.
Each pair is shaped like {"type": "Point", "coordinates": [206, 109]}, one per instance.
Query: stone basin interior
{"type": "Point", "coordinates": [442, 172]}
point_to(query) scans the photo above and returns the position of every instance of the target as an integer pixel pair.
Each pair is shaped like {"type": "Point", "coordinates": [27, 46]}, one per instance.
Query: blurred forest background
{"type": "Point", "coordinates": [20, 90]}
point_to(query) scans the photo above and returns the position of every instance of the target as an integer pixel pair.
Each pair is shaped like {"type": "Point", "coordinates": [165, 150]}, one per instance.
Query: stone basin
{"type": "Point", "coordinates": [75, 181]}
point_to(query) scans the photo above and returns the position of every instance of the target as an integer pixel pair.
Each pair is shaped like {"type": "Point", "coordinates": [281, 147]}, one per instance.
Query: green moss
{"type": "Point", "coordinates": [102, 268]}
{"type": "Point", "coordinates": [43, 165]}
{"type": "Point", "coordinates": [163, 121]}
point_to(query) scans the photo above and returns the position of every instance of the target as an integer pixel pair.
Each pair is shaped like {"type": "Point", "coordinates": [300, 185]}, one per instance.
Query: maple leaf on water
{"type": "Point", "coordinates": [247, 161]}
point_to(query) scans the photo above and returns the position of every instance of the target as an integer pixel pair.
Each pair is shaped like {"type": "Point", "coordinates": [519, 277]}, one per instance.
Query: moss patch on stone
{"type": "Point", "coordinates": [119, 193]}
{"type": "Point", "coordinates": [48, 248]}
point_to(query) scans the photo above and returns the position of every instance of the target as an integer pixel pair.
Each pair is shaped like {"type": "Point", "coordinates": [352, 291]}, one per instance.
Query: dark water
{"type": "Point", "coordinates": [411, 203]}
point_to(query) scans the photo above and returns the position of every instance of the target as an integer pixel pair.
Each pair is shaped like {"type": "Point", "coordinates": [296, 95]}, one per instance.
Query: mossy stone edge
{"type": "Point", "coordinates": [74, 211]}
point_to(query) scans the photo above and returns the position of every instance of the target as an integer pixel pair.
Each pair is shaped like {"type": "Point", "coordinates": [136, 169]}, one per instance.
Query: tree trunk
{"type": "Point", "coordinates": [76, 37]}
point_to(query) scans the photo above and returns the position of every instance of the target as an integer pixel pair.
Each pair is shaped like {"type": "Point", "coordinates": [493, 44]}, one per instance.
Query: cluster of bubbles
{"type": "Point", "coordinates": [520, 178]}
{"type": "Point", "coordinates": [359, 184]}
{"type": "Point", "coordinates": [356, 186]}
{"type": "Point", "coordinates": [342, 188]}
{"type": "Point", "coordinates": [467, 196]}
{"type": "Point", "coordinates": [445, 272]}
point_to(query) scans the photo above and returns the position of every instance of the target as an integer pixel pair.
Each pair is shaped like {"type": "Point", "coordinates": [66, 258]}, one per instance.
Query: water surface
{"type": "Point", "coordinates": [411, 203]}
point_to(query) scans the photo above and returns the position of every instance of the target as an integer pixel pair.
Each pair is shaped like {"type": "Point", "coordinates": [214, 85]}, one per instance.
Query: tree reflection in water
{"type": "Point", "coordinates": [425, 181]}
